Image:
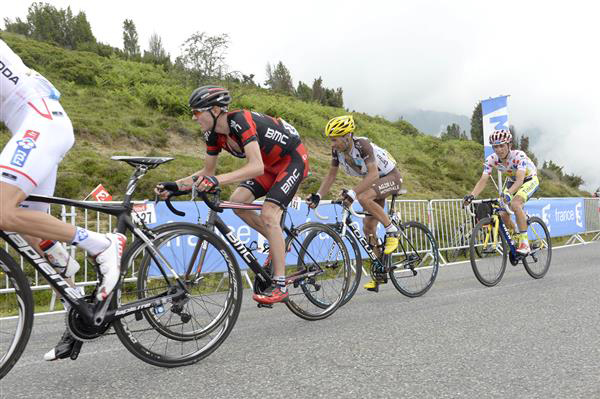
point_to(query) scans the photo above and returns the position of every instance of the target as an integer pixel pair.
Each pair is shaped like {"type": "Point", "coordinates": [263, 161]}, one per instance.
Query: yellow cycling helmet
{"type": "Point", "coordinates": [339, 126]}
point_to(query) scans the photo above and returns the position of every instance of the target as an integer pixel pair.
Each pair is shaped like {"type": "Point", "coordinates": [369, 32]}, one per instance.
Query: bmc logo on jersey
{"type": "Point", "coordinates": [277, 136]}
{"type": "Point", "coordinates": [289, 183]}
{"type": "Point", "coordinates": [24, 147]}
{"type": "Point", "coordinates": [235, 126]}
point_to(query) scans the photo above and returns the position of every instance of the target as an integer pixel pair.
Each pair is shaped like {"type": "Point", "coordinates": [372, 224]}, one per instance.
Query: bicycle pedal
{"type": "Point", "coordinates": [375, 289]}
{"type": "Point", "coordinates": [264, 305]}
{"type": "Point", "coordinates": [76, 349]}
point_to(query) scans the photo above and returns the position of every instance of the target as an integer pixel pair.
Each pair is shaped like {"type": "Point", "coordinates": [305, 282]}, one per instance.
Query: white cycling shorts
{"type": "Point", "coordinates": [30, 159]}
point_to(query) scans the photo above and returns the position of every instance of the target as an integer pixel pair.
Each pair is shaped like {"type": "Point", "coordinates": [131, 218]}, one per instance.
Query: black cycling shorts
{"type": "Point", "coordinates": [280, 181]}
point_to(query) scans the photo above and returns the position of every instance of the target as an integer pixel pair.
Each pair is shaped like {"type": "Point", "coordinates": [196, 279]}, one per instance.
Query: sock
{"type": "Point", "coordinates": [524, 238]}
{"type": "Point", "coordinates": [389, 229]}
{"type": "Point", "coordinates": [92, 242]}
{"type": "Point", "coordinates": [280, 281]}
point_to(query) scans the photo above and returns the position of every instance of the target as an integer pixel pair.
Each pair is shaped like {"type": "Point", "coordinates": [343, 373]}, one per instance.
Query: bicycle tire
{"type": "Point", "coordinates": [484, 269]}
{"type": "Point", "coordinates": [537, 243]}
{"type": "Point", "coordinates": [413, 236]}
{"type": "Point", "coordinates": [356, 267]}
{"type": "Point", "coordinates": [307, 299]}
{"type": "Point", "coordinates": [210, 335]}
{"type": "Point", "coordinates": [24, 321]}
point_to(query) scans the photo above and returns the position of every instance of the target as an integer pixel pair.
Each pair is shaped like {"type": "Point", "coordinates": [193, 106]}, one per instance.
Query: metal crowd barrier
{"type": "Point", "coordinates": [449, 222]}
{"type": "Point", "coordinates": [445, 218]}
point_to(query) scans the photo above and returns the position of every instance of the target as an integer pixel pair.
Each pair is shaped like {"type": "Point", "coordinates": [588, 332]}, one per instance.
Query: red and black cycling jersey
{"type": "Point", "coordinates": [276, 138]}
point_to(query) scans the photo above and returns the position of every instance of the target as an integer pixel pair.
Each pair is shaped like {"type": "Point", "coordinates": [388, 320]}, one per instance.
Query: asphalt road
{"type": "Point", "coordinates": [524, 338]}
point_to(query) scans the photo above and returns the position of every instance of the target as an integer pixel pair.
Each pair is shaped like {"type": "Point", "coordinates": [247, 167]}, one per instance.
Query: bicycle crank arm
{"type": "Point", "coordinates": [76, 349]}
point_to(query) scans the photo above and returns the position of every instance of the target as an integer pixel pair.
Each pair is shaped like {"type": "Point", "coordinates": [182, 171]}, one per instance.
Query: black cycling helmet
{"type": "Point", "coordinates": [207, 96]}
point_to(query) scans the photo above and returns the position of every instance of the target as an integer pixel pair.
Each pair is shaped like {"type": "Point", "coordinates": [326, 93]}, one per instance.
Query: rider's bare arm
{"type": "Point", "coordinates": [480, 185]}
{"type": "Point", "coordinates": [328, 182]}
{"type": "Point", "coordinates": [209, 169]}
{"type": "Point", "coordinates": [520, 177]}
{"type": "Point", "coordinates": [369, 179]}
{"type": "Point", "coordinates": [253, 168]}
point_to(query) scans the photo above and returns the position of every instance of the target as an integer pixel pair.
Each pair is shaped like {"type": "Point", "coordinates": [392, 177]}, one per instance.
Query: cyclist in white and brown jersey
{"type": "Point", "coordinates": [359, 157]}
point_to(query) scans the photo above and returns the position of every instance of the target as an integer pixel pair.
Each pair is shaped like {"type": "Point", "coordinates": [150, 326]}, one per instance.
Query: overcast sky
{"type": "Point", "coordinates": [414, 54]}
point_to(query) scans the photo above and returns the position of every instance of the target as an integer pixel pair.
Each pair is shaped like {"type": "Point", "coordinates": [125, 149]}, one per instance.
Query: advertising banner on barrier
{"type": "Point", "coordinates": [495, 116]}
{"type": "Point", "coordinates": [563, 216]}
{"type": "Point", "coordinates": [196, 212]}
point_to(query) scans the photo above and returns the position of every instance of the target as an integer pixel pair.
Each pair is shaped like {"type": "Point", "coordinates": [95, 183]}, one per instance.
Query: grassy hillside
{"type": "Point", "coordinates": [129, 108]}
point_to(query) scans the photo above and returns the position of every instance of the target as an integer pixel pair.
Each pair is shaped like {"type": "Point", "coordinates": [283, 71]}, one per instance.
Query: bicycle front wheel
{"type": "Point", "coordinates": [16, 313]}
{"type": "Point", "coordinates": [414, 267]}
{"type": "Point", "coordinates": [538, 261]}
{"type": "Point", "coordinates": [324, 260]}
{"type": "Point", "coordinates": [189, 328]}
{"type": "Point", "coordinates": [490, 267]}
{"type": "Point", "coordinates": [356, 265]}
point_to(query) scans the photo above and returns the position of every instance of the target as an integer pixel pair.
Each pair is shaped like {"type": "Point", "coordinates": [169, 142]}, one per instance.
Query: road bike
{"type": "Point", "coordinates": [164, 318]}
{"type": "Point", "coordinates": [412, 268]}
{"type": "Point", "coordinates": [317, 261]}
{"type": "Point", "coordinates": [497, 247]}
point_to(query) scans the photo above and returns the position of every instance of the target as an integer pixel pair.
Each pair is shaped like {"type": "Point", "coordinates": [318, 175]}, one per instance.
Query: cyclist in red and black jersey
{"type": "Point", "coordinates": [277, 163]}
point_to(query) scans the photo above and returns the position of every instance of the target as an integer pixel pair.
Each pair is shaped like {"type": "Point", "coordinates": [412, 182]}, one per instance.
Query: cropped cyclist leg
{"type": "Point", "coordinates": [370, 230]}
{"type": "Point", "coordinates": [524, 193]}
{"type": "Point", "coordinates": [367, 200]}
{"type": "Point", "coordinates": [384, 187]}
{"type": "Point", "coordinates": [247, 192]}
{"type": "Point", "coordinates": [292, 170]}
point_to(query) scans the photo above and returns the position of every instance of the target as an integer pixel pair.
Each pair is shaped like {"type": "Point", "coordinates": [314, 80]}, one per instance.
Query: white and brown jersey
{"type": "Point", "coordinates": [363, 152]}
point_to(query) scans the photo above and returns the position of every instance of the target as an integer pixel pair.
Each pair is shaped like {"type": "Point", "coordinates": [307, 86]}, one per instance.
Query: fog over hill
{"type": "Point", "coordinates": [431, 122]}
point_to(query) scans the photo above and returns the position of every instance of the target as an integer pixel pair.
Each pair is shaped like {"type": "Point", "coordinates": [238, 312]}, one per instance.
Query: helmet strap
{"type": "Point", "coordinates": [215, 118]}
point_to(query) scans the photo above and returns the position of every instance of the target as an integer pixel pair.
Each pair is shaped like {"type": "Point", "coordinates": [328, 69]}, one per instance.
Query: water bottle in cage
{"type": "Point", "coordinates": [59, 258]}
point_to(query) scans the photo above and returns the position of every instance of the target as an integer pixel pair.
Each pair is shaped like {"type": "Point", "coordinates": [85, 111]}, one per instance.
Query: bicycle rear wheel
{"type": "Point", "coordinates": [490, 267]}
{"type": "Point", "coordinates": [188, 329]}
{"type": "Point", "coordinates": [16, 313]}
{"type": "Point", "coordinates": [414, 267]}
{"type": "Point", "coordinates": [322, 251]}
{"type": "Point", "coordinates": [538, 261]}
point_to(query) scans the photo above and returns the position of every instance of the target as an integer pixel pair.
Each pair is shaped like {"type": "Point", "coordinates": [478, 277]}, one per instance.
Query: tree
{"type": "Point", "coordinates": [525, 143]}
{"type": "Point", "coordinates": [452, 132]}
{"type": "Point", "coordinates": [156, 53]}
{"type": "Point", "coordinates": [318, 92]}
{"type": "Point", "coordinates": [303, 91]}
{"type": "Point", "coordinates": [131, 47]}
{"type": "Point", "coordinates": [19, 26]}
{"type": "Point", "coordinates": [279, 79]}
{"type": "Point", "coordinates": [47, 23]}
{"type": "Point", "coordinates": [204, 56]}
{"type": "Point", "coordinates": [515, 137]}
{"type": "Point", "coordinates": [477, 124]}
{"type": "Point", "coordinates": [248, 79]}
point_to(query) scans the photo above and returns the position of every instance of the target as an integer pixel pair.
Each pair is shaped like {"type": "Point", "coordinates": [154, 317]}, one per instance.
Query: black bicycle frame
{"type": "Point", "coordinates": [96, 314]}
{"type": "Point", "coordinates": [355, 230]}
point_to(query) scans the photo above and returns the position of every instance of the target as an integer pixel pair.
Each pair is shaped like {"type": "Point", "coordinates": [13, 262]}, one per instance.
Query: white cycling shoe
{"type": "Point", "coordinates": [109, 263]}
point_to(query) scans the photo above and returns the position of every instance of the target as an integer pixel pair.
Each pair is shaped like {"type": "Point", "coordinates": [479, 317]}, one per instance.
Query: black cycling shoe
{"type": "Point", "coordinates": [64, 348]}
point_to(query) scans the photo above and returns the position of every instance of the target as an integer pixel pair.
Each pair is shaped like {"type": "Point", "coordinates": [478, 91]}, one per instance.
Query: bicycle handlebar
{"type": "Point", "coordinates": [213, 204]}
{"type": "Point", "coordinates": [497, 201]}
